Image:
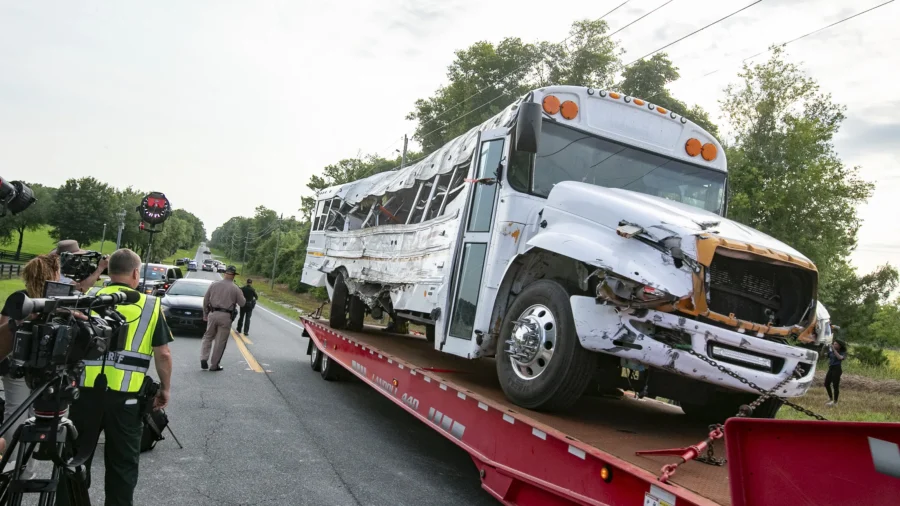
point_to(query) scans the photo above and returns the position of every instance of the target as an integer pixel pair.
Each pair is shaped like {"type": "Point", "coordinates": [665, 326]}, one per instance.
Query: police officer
{"type": "Point", "coordinates": [148, 338]}
{"type": "Point", "coordinates": [219, 305]}
{"type": "Point", "coordinates": [247, 309]}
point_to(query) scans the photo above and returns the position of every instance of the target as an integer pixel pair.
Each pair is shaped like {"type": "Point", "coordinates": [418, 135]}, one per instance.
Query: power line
{"type": "Point", "coordinates": [783, 44]}
{"type": "Point", "coordinates": [651, 53]}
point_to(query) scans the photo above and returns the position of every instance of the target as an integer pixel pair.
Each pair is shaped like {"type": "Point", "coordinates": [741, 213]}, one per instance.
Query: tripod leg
{"type": "Point", "coordinates": [173, 436]}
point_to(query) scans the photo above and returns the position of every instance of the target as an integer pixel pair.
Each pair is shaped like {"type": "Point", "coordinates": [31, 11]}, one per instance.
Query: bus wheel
{"type": "Point", "coordinates": [356, 313]}
{"type": "Point", "coordinates": [429, 333]}
{"type": "Point", "coordinates": [340, 304]}
{"type": "Point", "coordinates": [540, 363]}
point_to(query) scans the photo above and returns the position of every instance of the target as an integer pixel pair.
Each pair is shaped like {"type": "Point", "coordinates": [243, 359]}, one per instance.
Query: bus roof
{"type": "Point", "coordinates": [611, 115]}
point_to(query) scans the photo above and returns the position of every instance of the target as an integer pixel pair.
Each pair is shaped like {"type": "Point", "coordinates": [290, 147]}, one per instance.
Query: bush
{"type": "Point", "coordinates": [870, 356]}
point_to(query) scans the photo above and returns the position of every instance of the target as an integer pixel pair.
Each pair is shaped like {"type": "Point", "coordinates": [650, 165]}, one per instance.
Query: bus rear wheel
{"type": "Point", "coordinates": [356, 313]}
{"type": "Point", "coordinates": [540, 363]}
{"type": "Point", "coordinates": [340, 304]}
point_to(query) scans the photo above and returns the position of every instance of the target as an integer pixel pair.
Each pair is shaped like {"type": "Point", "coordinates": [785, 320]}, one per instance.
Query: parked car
{"type": "Point", "coordinates": [159, 277]}
{"type": "Point", "coordinates": [206, 252]}
{"type": "Point", "coordinates": [179, 261]}
{"type": "Point", "coordinates": [209, 265]}
{"type": "Point", "coordinates": [182, 303]}
{"type": "Point", "coordinates": [192, 266]}
{"type": "Point", "coordinates": [220, 267]}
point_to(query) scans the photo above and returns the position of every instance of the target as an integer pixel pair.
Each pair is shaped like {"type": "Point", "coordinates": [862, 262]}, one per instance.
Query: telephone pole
{"type": "Point", "coordinates": [121, 215]}
{"type": "Point", "coordinates": [403, 158]}
{"type": "Point", "coordinates": [244, 257]}
{"type": "Point", "coordinates": [275, 259]}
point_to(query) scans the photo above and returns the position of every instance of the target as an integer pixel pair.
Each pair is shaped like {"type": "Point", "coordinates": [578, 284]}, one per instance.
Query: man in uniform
{"type": "Point", "coordinates": [148, 338]}
{"type": "Point", "coordinates": [218, 306]}
{"type": "Point", "coordinates": [247, 309]}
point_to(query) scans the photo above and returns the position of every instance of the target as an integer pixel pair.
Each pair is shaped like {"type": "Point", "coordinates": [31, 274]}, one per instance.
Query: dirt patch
{"type": "Point", "coordinates": [857, 382]}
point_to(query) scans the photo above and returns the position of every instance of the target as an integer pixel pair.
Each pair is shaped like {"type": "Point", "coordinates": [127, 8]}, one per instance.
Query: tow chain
{"type": "Point", "coordinates": [710, 457]}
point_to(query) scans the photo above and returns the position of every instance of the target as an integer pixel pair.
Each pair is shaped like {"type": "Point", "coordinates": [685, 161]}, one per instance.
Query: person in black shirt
{"type": "Point", "coordinates": [837, 352]}
{"type": "Point", "coordinates": [247, 308]}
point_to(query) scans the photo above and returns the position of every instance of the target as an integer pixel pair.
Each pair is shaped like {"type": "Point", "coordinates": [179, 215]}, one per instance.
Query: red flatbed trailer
{"type": "Point", "coordinates": [587, 455]}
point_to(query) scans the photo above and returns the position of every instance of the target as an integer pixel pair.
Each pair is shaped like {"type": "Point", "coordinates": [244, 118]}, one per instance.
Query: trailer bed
{"type": "Point", "coordinates": [616, 427]}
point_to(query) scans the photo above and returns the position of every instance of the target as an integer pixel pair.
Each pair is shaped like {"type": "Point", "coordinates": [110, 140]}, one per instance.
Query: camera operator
{"type": "Point", "coordinates": [36, 273]}
{"type": "Point", "coordinates": [71, 246]}
{"type": "Point", "coordinates": [148, 337]}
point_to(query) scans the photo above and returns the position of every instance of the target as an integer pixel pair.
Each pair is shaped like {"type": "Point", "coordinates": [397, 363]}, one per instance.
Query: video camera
{"type": "Point", "coordinates": [14, 196]}
{"type": "Point", "coordinates": [79, 266]}
{"type": "Point", "coordinates": [54, 343]}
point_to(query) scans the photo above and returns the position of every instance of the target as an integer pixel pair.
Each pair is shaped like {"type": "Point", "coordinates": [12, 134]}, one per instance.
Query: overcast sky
{"type": "Point", "coordinates": [227, 105]}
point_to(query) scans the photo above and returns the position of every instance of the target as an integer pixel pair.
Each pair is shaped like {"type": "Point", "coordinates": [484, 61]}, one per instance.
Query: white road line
{"type": "Point", "coordinates": [281, 318]}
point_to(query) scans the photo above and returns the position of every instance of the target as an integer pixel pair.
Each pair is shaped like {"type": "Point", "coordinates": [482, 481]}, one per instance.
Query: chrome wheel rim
{"type": "Point", "coordinates": [532, 342]}
{"type": "Point", "coordinates": [324, 361]}
{"type": "Point", "coordinates": [315, 354]}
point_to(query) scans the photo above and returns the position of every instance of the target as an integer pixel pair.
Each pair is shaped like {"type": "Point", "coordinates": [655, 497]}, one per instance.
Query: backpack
{"type": "Point", "coordinates": [155, 422]}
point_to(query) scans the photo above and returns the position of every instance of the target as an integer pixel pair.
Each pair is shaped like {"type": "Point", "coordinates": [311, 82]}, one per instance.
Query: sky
{"type": "Point", "coordinates": [228, 105]}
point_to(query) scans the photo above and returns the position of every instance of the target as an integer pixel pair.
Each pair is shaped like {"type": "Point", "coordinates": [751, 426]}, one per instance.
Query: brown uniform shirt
{"type": "Point", "coordinates": [222, 294]}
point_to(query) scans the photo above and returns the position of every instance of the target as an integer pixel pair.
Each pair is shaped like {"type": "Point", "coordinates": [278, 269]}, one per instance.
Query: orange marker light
{"type": "Point", "coordinates": [614, 95]}
{"type": "Point", "coordinates": [605, 474]}
{"type": "Point", "coordinates": [551, 104]}
{"type": "Point", "coordinates": [569, 109]}
{"type": "Point", "coordinates": [693, 147]}
{"type": "Point", "coordinates": [709, 152]}
{"type": "Point", "coordinates": [661, 110]}
{"type": "Point", "coordinates": [638, 101]}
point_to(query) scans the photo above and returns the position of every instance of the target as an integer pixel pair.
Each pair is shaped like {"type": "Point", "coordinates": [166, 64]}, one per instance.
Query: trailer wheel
{"type": "Point", "coordinates": [540, 363]}
{"type": "Point", "coordinates": [330, 369]}
{"type": "Point", "coordinates": [340, 304]}
{"type": "Point", "coordinates": [315, 357]}
{"type": "Point", "coordinates": [356, 314]}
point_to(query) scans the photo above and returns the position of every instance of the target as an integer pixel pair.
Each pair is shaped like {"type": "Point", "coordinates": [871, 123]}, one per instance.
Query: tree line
{"type": "Point", "coordinates": [786, 179]}
{"type": "Point", "coordinates": [79, 209]}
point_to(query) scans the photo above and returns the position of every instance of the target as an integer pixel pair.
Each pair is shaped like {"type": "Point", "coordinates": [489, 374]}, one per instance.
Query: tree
{"type": "Point", "coordinates": [853, 300]}
{"type": "Point", "coordinates": [32, 218]}
{"type": "Point", "coordinates": [885, 326]}
{"type": "Point", "coordinates": [81, 208]}
{"type": "Point", "coordinates": [647, 79]}
{"type": "Point", "coordinates": [786, 178]}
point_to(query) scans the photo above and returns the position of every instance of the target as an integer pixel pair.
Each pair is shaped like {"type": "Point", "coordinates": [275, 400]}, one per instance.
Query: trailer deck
{"type": "Point", "coordinates": [601, 431]}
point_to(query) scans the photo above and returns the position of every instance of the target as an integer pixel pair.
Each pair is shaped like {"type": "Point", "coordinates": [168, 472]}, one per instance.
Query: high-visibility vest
{"type": "Point", "coordinates": [125, 370]}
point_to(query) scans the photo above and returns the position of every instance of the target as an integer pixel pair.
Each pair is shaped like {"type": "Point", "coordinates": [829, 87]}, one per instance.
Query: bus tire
{"type": "Point", "coordinates": [331, 370]}
{"type": "Point", "coordinates": [565, 374]}
{"type": "Point", "coordinates": [356, 314]}
{"type": "Point", "coordinates": [340, 302]}
{"type": "Point", "coordinates": [429, 333]}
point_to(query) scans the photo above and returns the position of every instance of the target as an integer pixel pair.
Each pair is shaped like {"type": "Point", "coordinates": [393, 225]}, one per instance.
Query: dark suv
{"type": "Point", "coordinates": [159, 277]}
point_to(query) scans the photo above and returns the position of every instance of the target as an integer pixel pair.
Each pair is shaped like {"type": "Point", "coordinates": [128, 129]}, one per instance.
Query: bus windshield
{"type": "Point", "coordinates": [569, 155]}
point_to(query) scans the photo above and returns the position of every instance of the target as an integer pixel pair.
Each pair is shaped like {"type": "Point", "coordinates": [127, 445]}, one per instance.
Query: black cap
{"type": "Point", "coordinates": [231, 270]}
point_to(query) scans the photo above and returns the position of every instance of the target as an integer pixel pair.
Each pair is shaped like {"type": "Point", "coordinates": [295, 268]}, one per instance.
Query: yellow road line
{"type": "Point", "coordinates": [251, 361]}
{"type": "Point", "coordinates": [245, 338]}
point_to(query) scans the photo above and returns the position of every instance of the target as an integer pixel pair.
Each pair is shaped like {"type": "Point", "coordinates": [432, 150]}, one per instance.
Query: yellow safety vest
{"type": "Point", "coordinates": [125, 370]}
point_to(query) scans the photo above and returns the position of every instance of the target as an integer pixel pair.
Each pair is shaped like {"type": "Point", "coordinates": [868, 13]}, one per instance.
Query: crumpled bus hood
{"type": "Point", "coordinates": [660, 218]}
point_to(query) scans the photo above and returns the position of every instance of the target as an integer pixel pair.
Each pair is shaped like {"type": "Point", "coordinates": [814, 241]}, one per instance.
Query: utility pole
{"type": "Point", "coordinates": [403, 158]}
{"type": "Point", "coordinates": [275, 260]}
{"type": "Point", "coordinates": [121, 215]}
{"type": "Point", "coordinates": [103, 240]}
{"type": "Point", "coordinates": [244, 257]}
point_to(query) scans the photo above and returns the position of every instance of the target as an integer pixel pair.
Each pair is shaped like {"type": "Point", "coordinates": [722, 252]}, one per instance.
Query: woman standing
{"type": "Point", "coordinates": [837, 352]}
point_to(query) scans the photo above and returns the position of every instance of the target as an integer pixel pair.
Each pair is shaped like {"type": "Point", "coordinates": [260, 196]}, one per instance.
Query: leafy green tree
{"type": "Point", "coordinates": [648, 79]}
{"type": "Point", "coordinates": [885, 326]}
{"type": "Point", "coordinates": [853, 301]}
{"type": "Point", "coordinates": [786, 178]}
{"type": "Point", "coordinates": [81, 208]}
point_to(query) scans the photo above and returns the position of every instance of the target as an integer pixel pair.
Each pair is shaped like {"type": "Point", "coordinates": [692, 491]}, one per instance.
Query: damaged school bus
{"type": "Point", "coordinates": [577, 236]}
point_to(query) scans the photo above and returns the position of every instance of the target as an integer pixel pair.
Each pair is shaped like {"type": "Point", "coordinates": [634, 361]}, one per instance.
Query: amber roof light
{"type": "Point", "coordinates": [569, 109]}
{"type": "Point", "coordinates": [709, 152]}
{"type": "Point", "coordinates": [551, 105]}
{"type": "Point", "coordinates": [693, 147]}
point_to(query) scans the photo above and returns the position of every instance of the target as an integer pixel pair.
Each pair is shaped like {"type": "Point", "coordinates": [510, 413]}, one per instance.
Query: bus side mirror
{"type": "Point", "coordinates": [528, 127]}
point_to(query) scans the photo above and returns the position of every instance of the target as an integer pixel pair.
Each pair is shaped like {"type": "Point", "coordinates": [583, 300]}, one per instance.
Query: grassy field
{"type": "Point", "coordinates": [8, 286]}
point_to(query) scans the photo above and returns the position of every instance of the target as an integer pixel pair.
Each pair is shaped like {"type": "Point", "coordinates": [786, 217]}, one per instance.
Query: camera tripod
{"type": "Point", "coordinates": [49, 436]}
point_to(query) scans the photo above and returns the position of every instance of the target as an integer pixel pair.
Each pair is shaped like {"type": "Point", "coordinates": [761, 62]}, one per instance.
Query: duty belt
{"type": "Point", "coordinates": [221, 310]}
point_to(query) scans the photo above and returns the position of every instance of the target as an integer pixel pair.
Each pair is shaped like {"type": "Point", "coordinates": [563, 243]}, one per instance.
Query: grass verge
{"type": "Point", "coordinates": [856, 405]}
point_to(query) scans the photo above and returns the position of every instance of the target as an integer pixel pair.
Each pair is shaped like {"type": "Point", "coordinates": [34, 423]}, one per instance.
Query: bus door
{"type": "Point", "coordinates": [473, 248]}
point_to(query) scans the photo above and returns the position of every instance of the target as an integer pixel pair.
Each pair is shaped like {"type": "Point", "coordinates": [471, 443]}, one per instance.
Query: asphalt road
{"type": "Point", "coordinates": [285, 436]}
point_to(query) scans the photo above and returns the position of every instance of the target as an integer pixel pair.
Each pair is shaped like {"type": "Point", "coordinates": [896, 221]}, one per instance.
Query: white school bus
{"type": "Point", "coordinates": [579, 237]}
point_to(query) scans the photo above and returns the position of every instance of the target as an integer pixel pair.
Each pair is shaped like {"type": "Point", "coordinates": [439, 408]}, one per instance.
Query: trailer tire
{"type": "Point", "coordinates": [568, 371]}
{"type": "Point", "coordinates": [340, 302]}
{"type": "Point", "coordinates": [356, 314]}
{"type": "Point", "coordinates": [315, 357]}
{"type": "Point", "coordinates": [331, 370]}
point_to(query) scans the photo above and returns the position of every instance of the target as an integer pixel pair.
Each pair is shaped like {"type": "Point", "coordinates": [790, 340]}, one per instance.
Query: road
{"type": "Point", "coordinates": [285, 436]}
